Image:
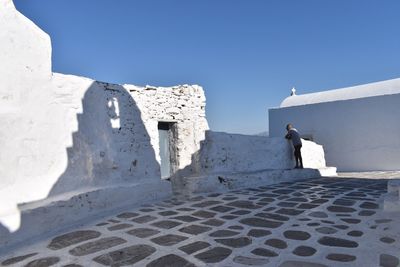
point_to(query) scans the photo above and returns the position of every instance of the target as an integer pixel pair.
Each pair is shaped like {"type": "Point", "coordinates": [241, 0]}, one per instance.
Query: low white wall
{"type": "Point", "coordinates": [231, 153]}
{"type": "Point", "coordinates": [229, 161]}
{"type": "Point", "coordinates": [358, 134]}
{"type": "Point", "coordinates": [223, 152]}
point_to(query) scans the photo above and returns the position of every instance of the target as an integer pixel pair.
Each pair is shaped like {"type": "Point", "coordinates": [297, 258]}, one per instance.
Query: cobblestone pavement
{"type": "Point", "coordinates": [315, 223]}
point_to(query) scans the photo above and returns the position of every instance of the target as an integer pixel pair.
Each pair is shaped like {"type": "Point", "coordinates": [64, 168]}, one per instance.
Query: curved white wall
{"type": "Point", "coordinates": [358, 134]}
{"type": "Point", "coordinates": [25, 73]}
{"type": "Point", "coordinates": [388, 87]}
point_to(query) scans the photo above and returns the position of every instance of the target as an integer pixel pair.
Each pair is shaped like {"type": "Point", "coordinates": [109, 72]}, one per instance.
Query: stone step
{"type": "Point", "coordinates": [46, 217]}
{"type": "Point", "coordinates": [222, 182]}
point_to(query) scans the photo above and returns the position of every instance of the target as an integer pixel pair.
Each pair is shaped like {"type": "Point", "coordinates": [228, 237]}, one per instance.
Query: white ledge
{"type": "Point", "coordinates": [388, 87]}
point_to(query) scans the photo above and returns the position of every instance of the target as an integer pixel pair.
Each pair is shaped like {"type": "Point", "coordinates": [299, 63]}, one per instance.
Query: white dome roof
{"type": "Point", "coordinates": [388, 87]}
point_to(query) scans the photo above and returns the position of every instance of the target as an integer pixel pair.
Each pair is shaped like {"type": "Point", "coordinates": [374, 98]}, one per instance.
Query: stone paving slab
{"type": "Point", "coordinates": [314, 223]}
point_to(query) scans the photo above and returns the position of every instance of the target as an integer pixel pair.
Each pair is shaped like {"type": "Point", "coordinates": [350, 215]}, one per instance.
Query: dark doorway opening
{"type": "Point", "coordinates": [167, 140]}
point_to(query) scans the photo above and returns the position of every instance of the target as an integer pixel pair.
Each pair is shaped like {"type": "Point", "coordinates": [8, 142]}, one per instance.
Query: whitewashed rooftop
{"type": "Point", "coordinates": [388, 87]}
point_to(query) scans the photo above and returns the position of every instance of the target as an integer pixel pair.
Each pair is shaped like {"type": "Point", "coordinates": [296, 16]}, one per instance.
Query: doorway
{"type": "Point", "coordinates": [166, 134]}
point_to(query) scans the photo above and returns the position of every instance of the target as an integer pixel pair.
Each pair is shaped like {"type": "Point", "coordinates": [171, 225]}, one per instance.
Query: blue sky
{"type": "Point", "coordinates": [247, 54]}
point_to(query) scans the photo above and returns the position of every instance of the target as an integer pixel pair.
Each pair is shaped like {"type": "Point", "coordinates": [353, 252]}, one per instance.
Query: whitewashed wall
{"type": "Point", "coordinates": [359, 134]}
{"type": "Point", "coordinates": [64, 137]}
{"type": "Point", "coordinates": [229, 153]}
{"type": "Point", "coordinates": [231, 161]}
{"type": "Point", "coordinates": [183, 105]}
{"type": "Point", "coordinates": [74, 146]}
{"type": "Point", "coordinates": [25, 70]}
{"type": "Point", "coordinates": [236, 153]}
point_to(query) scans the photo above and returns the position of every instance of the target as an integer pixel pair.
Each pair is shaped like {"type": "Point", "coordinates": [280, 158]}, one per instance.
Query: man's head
{"type": "Point", "coordinates": [289, 126]}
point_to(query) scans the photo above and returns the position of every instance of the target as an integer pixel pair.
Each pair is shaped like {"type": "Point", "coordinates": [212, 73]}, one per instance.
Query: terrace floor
{"type": "Point", "coordinates": [315, 223]}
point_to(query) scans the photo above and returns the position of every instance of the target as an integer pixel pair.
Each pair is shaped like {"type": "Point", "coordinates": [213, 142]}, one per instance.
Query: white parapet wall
{"type": "Point", "coordinates": [230, 161]}
{"type": "Point", "coordinates": [73, 147]}
{"type": "Point", "coordinates": [358, 126]}
{"type": "Point", "coordinates": [224, 152]}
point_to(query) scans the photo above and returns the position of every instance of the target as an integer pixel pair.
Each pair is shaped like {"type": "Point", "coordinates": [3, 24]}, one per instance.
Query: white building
{"type": "Point", "coordinates": [73, 148]}
{"type": "Point", "coordinates": [358, 126]}
{"type": "Point", "coordinates": [69, 139]}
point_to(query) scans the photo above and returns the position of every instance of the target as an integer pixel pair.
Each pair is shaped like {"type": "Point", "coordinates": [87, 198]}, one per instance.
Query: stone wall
{"type": "Point", "coordinates": [72, 145]}
{"type": "Point", "coordinates": [116, 139]}
{"type": "Point", "coordinates": [183, 105]}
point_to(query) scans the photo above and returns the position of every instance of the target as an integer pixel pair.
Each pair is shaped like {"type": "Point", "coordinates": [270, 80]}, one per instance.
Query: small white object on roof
{"type": "Point", "coordinates": [293, 92]}
{"type": "Point", "coordinates": [388, 87]}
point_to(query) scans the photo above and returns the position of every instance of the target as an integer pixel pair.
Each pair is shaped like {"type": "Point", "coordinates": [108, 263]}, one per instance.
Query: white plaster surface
{"type": "Point", "coordinates": [223, 152]}
{"type": "Point", "coordinates": [357, 134]}
{"type": "Point", "coordinates": [63, 135]}
{"type": "Point", "coordinates": [25, 53]}
{"type": "Point", "coordinates": [389, 87]}
{"type": "Point", "coordinates": [183, 105]}
{"type": "Point", "coordinates": [45, 217]}
{"type": "Point", "coordinates": [73, 147]}
{"type": "Point", "coordinates": [230, 161]}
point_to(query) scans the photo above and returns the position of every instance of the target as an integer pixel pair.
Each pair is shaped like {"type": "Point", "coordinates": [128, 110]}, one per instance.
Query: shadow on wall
{"type": "Point", "coordinates": [193, 169]}
{"type": "Point", "coordinates": [111, 148]}
{"type": "Point", "coordinates": [225, 153]}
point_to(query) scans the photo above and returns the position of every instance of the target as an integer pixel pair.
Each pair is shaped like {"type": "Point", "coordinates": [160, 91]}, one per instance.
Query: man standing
{"type": "Point", "coordinates": [293, 134]}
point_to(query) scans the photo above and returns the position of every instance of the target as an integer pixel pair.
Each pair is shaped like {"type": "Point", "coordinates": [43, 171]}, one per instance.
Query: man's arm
{"type": "Point", "coordinates": [288, 136]}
